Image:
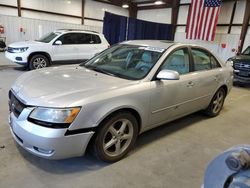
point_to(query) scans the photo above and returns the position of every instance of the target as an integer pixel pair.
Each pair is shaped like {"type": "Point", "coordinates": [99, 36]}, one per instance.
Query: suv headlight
{"type": "Point", "coordinates": [54, 117]}
{"type": "Point", "coordinates": [230, 62]}
{"type": "Point", "coordinates": [20, 50]}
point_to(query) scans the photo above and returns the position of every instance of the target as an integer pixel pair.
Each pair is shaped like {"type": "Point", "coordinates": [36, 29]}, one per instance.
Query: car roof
{"type": "Point", "coordinates": [165, 44]}
{"type": "Point", "coordinates": [76, 30]}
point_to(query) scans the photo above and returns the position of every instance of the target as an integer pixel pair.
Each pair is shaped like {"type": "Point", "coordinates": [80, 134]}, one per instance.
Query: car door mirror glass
{"type": "Point", "coordinates": [168, 75]}
{"type": "Point", "coordinates": [58, 42]}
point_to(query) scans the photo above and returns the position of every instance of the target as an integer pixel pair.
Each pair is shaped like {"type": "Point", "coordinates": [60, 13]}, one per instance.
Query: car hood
{"type": "Point", "coordinates": [242, 58]}
{"type": "Point", "coordinates": [63, 87]}
{"type": "Point", "coordinates": [25, 44]}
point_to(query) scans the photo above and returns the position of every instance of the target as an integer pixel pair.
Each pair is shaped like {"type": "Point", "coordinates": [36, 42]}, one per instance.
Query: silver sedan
{"type": "Point", "coordinates": [107, 102]}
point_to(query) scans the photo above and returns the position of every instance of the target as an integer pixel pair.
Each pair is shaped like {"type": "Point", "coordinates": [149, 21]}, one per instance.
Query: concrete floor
{"type": "Point", "coordinates": [173, 155]}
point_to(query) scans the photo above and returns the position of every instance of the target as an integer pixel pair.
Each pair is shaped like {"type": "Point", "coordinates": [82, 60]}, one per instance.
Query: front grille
{"type": "Point", "coordinates": [15, 105]}
{"type": "Point", "coordinates": [242, 66]}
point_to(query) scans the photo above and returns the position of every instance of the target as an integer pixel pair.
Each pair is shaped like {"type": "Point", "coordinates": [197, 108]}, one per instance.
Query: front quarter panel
{"type": "Point", "coordinates": [100, 106]}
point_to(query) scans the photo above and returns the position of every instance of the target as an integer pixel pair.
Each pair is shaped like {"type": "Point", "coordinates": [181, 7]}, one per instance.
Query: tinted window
{"type": "Point", "coordinates": [96, 39]}
{"type": "Point", "coordinates": [84, 38]}
{"type": "Point", "coordinates": [69, 38]}
{"type": "Point", "coordinates": [201, 60]}
{"type": "Point", "coordinates": [177, 61]}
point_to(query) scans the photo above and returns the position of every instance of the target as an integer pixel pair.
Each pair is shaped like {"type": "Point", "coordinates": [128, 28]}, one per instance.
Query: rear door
{"type": "Point", "coordinates": [208, 74]}
{"type": "Point", "coordinates": [89, 45]}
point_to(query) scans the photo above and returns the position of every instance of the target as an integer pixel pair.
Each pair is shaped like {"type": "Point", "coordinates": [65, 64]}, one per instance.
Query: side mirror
{"type": "Point", "coordinates": [58, 42]}
{"type": "Point", "coordinates": [168, 75]}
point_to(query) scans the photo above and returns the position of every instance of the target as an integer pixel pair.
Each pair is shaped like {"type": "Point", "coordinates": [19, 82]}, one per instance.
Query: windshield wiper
{"type": "Point", "coordinates": [100, 70]}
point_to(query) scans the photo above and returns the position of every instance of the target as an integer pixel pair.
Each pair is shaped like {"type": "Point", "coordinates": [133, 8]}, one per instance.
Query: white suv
{"type": "Point", "coordinates": [61, 45]}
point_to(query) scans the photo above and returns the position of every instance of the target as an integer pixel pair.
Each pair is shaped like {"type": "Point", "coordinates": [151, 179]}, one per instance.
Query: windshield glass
{"type": "Point", "coordinates": [47, 38]}
{"type": "Point", "coordinates": [247, 51]}
{"type": "Point", "coordinates": [126, 61]}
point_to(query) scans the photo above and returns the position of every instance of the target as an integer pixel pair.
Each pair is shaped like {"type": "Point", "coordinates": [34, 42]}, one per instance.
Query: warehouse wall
{"type": "Point", "coordinates": [156, 15]}
{"type": "Point", "coordinates": [34, 28]}
{"type": "Point", "coordinates": [92, 10]}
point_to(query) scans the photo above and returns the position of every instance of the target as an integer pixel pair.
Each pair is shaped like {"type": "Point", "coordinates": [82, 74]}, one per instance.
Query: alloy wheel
{"type": "Point", "coordinates": [118, 137]}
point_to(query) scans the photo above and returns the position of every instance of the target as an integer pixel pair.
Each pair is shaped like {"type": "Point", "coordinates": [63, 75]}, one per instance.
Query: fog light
{"type": "Point", "coordinates": [44, 151]}
{"type": "Point", "coordinates": [19, 58]}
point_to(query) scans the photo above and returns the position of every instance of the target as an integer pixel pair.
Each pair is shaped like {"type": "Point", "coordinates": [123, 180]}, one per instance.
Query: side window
{"type": "Point", "coordinates": [69, 38]}
{"type": "Point", "coordinates": [96, 39]}
{"type": "Point", "coordinates": [201, 60]}
{"type": "Point", "coordinates": [215, 64]}
{"type": "Point", "coordinates": [177, 61]}
{"type": "Point", "coordinates": [84, 38]}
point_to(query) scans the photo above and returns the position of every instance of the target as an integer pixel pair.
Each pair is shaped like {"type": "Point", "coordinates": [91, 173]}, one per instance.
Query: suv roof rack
{"type": "Point", "coordinates": [78, 30]}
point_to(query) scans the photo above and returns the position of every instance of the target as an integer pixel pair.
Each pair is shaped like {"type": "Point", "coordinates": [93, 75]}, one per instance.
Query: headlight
{"type": "Point", "coordinates": [19, 50]}
{"type": "Point", "coordinates": [54, 117]}
{"type": "Point", "coordinates": [230, 62]}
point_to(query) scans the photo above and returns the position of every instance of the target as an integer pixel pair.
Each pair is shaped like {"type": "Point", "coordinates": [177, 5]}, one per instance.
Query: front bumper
{"type": "Point", "coordinates": [47, 142]}
{"type": "Point", "coordinates": [19, 58]}
{"type": "Point", "coordinates": [241, 79]}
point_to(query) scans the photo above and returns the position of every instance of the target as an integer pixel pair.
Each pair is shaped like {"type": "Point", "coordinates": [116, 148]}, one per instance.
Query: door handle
{"type": "Point", "coordinates": [190, 84]}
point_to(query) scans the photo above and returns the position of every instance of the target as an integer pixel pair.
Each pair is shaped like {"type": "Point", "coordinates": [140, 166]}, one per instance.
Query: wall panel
{"type": "Point", "coordinates": [156, 15]}
{"type": "Point", "coordinates": [59, 6]}
{"type": "Point", "coordinates": [239, 12]}
{"type": "Point", "coordinates": [96, 10]}
{"type": "Point", "coordinates": [31, 27]}
{"type": "Point", "coordinates": [9, 2]}
{"type": "Point", "coordinates": [8, 11]}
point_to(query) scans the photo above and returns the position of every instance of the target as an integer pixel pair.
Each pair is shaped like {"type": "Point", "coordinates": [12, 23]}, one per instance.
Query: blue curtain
{"type": "Point", "coordinates": [139, 29]}
{"type": "Point", "coordinates": [114, 28]}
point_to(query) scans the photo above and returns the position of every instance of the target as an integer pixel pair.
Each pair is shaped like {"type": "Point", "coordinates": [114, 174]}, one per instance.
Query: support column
{"type": "Point", "coordinates": [244, 26]}
{"type": "Point", "coordinates": [83, 5]}
{"type": "Point", "coordinates": [19, 8]}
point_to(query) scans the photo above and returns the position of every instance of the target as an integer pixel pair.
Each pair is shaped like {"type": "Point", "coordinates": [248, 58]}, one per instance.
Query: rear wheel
{"type": "Point", "coordinates": [216, 103]}
{"type": "Point", "coordinates": [116, 137]}
{"type": "Point", "coordinates": [38, 62]}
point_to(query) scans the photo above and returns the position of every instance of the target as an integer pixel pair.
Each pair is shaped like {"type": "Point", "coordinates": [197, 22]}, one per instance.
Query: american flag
{"type": "Point", "coordinates": [202, 19]}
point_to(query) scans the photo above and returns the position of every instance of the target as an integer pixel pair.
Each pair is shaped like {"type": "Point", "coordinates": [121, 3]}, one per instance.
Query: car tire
{"type": "Point", "coordinates": [38, 61]}
{"type": "Point", "coordinates": [216, 103]}
{"type": "Point", "coordinates": [116, 137]}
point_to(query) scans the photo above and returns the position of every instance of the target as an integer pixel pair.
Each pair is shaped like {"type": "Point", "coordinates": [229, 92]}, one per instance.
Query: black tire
{"type": "Point", "coordinates": [216, 103]}
{"type": "Point", "coordinates": [117, 147]}
{"type": "Point", "coordinates": [38, 61]}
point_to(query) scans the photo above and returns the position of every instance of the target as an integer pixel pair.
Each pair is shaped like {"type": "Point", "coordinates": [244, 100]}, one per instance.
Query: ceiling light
{"type": "Point", "coordinates": [69, 2]}
{"type": "Point", "coordinates": [125, 6]}
{"type": "Point", "coordinates": [158, 2]}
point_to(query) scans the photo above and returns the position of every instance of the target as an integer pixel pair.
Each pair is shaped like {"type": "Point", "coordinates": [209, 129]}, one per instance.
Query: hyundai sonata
{"type": "Point", "coordinates": [127, 89]}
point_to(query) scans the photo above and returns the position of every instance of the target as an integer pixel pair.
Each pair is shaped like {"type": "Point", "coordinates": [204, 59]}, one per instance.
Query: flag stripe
{"type": "Point", "coordinates": [216, 20]}
{"type": "Point", "coordinates": [193, 15]}
{"type": "Point", "coordinates": [210, 24]}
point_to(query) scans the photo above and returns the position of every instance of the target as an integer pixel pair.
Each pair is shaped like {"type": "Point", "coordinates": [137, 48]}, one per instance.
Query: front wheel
{"type": "Point", "coordinates": [216, 103]}
{"type": "Point", "coordinates": [38, 62]}
{"type": "Point", "coordinates": [116, 137]}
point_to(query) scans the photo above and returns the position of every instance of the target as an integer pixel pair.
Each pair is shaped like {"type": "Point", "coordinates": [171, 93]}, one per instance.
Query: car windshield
{"type": "Point", "coordinates": [47, 38]}
{"type": "Point", "coordinates": [126, 61]}
{"type": "Point", "coordinates": [247, 51]}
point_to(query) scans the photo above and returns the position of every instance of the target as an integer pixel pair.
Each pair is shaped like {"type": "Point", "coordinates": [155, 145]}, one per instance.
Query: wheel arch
{"type": "Point", "coordinates": [129, 109]}
{"type": "Point", "coordinates": [46, 54]}
{"type": "Point", "coordinates": [225, 88]}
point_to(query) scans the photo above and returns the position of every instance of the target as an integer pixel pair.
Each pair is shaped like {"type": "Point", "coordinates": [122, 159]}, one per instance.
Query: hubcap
{"type": "Point", "coordinates": [39, 63]}
{"type": "Point", "coordinates": [118, 137]}
{"type": "Point", "coordinates": [218, 101]}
